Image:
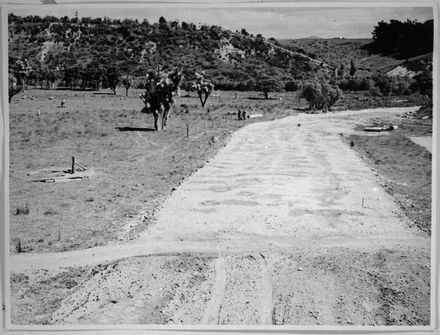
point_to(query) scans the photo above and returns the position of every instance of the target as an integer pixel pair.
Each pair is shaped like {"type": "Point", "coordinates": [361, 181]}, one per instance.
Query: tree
{"type": "Point", "coordinates": [13, 87]}
{"type": "Point", "coordinates": [321, 95]}
{"type": "Point", "coordinates": [268, 84]}
{"type": "Point", "coordinates": [291, 86]}
{"type": "Point", "coordinates": [424, 82]}
{"type": "Point", "coordinates": [163, 23]}
{"type": "Point", "coordinates": [403, 39]}
{"type": "Point", "coordinates": [112, 77]}
{"type": "Point", "coordinates": [341, 71]}
{"type": "Point", "coordinates": [126, 81]}
{"type": "Point", "coordinates": [383, 83]}
{"type": "Point", "coordinates": [18, 74]}
{"type": "Point", "coordinates": [158, 96]}
{"type": "Point", "coordinates": [20, 69]}
{"type": "Point", "coordinates": [311, 93]}
{"type": "Point", "coordinates": [203, 87]}
{"type": "Point", "coordinates": [353, 69]}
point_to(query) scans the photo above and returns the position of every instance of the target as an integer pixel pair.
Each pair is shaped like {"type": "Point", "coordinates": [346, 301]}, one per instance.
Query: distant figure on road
{"type": "Point", "coordinates": [239, 114]}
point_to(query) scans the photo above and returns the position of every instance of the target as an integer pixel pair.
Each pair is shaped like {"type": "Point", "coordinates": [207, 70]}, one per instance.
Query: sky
{"type": "Point", "coordinates": [277, 22]}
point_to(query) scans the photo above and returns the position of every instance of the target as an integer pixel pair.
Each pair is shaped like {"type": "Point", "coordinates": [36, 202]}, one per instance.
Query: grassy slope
{"type": "Point", "coordinates": [342, 51]}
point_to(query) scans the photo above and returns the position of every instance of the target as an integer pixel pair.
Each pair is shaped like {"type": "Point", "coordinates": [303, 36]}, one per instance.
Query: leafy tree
{"type": "Point", "coordinates": [13, 88]}
{"type": "Point", "coordinates": [403, 39]}
{"type": "Point", "coordinates": [203, 87]}
{"type": "Point", "coordinates": [321, 95]}
{"type": "Point", "coordinates": [268, 84]}
{"type": "Point", "coordinates": [424, 82]}
{"type": "Point", "coordinates": [21, 69]}
{"type": "Point", "coordinates": [291, 86]}
{"type": "Point", "coordinates": [383, 83]}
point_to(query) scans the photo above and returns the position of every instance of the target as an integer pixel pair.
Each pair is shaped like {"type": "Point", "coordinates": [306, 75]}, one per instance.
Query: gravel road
{"type": "Point", "coordinates": [285, 226]}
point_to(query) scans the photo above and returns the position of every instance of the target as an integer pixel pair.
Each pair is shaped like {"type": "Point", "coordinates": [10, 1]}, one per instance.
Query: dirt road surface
{"type": "Point", "coordinates": [285, 226]}
{"type": "Point", "coordinates": [424, 141]}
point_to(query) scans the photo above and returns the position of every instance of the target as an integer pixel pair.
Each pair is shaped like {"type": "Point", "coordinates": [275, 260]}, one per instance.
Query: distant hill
{"type": "Point", "coordinates": [394, 43]}
{"type": "Point", "coordinates": [337, 52]}
{"type": "Point", "coordinates": [311, 38]}
{"type": "Point", "coordinates": [233, 60]}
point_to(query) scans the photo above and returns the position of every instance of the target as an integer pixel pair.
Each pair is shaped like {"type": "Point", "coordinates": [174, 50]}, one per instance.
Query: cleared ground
{"type": "Point", "coordinates": [286, 225]}
{"type": "Point", "coordinates": [425, 142]}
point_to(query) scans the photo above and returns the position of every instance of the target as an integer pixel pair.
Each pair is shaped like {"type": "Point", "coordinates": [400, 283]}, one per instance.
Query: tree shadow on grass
{"type": "Point", "coordinates": [134, 129]}
{"type": "Point", "coordinates": [104, 93]}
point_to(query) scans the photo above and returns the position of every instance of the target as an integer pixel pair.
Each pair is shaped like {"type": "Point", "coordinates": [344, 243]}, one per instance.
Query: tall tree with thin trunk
{"type": "Point", "coordinates": [203, 87]}
{"type": "Point", "coordinates": [126, 81]}
{"type": "Point", "coordinates": [353, 69]}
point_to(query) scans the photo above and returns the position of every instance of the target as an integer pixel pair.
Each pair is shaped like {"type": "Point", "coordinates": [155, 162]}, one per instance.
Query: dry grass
{"type": "Point", "coordinates": [405, 168]}
{"type": "Point", "coordinates": [134, 168]}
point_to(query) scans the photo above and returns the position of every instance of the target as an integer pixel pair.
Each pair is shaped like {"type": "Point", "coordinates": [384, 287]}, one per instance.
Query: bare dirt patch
{"type": "Point", "coordinates": [36, 295]}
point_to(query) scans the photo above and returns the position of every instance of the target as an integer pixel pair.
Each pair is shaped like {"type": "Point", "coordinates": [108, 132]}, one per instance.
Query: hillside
{"type": "Point", "coordinates": [75, 50]}
{"type": "Point", "coordinates": [393, 43]}
{"type": "Point", "coordinates": [340, 51]}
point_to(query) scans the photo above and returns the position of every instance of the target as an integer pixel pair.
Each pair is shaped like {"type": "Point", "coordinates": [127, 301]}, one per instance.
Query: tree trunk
{"type": "Point", "coordinates": [126, 91]}
{"type": "Point", "coordinates": [201, 100]}
{"type": "Point", "coordinates": [156, 120]}
{"type": "Point", "coordinates": [165, 119]}
{"type": "Point", "coordinates": [266, 95]}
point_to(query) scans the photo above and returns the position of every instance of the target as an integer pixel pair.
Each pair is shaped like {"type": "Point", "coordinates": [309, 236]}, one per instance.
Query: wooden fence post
{"type": "Point", "coordinates": [73, 165]}
{"type": "Point", "coordinates": [187, 130]}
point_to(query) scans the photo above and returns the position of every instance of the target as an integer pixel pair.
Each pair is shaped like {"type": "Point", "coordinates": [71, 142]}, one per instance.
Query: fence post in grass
{"type": "Point", "coordinates": [17, 244]}
{"type": "Point", "coordinates": [73, 165]}
{"type": "Point", "coordinates": [187, 130]}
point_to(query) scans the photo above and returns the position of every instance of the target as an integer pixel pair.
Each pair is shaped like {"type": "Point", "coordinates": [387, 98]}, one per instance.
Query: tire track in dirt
{"type": "Point", "coordinates": [211, 315]}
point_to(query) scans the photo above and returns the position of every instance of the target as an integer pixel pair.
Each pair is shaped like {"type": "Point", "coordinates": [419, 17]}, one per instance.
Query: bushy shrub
{"type": "Point", "coordinates": [321, 95]}
{"type": "Point", "coordinates": [401, 86]}
{"type": "Point", "coordinates": [423, 83]}
{"type": "Point", "coordinates": [355, 84]}
{"type": "Point", "coordinates": [383, 83]}
{"type": "Point", "coordinates": [375, 92]}
{"type": "Point", "coordinates": [365, 84]}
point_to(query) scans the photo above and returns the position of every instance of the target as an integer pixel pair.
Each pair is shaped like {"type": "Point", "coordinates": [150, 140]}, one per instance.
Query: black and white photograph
{"type": "Point", "coordinates": [257, 165]}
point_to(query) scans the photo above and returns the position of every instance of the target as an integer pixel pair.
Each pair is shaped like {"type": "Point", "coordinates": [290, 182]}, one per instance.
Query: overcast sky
{"type": "Point", "coordinates": [282, 22]}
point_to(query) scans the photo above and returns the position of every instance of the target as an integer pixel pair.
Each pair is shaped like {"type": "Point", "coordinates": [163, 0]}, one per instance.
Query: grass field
{"type": "Point", "coordinates": [133, 169]}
